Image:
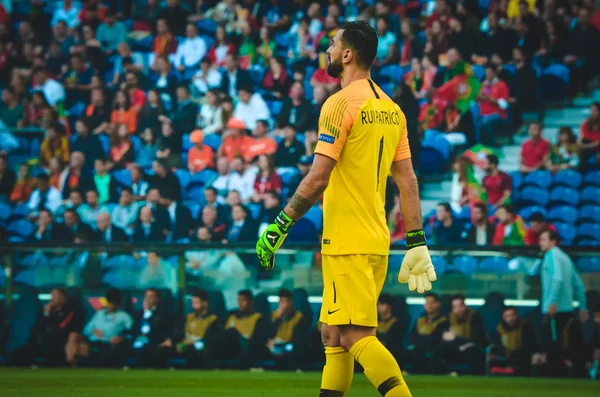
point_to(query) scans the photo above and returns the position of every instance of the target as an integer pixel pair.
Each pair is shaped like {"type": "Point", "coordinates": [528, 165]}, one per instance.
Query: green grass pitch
{"type": "Point", "coordinates": [150, 383]}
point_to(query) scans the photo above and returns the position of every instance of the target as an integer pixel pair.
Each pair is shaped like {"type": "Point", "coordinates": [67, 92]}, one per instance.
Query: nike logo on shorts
{"type": "Point", "coordinates": [334, 311]}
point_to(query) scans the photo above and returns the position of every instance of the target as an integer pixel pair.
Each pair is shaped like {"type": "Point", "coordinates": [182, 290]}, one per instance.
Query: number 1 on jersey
{"type": "Point", "coordinates": [379, 156]}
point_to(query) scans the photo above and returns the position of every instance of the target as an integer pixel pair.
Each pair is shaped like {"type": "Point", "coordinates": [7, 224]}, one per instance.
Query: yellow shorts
{"type": "Point", "coordinates": [351, 288]}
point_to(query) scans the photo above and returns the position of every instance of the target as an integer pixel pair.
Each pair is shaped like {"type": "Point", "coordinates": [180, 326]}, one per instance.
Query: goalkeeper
{"type": "Point", "coordinates": [362, 136]}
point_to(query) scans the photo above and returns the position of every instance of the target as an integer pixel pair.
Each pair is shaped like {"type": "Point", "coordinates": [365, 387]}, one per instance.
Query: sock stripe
{"type": "Point", "coordinates": [388, 385]}
{"type": "Point", "coordinates": [331, 393]}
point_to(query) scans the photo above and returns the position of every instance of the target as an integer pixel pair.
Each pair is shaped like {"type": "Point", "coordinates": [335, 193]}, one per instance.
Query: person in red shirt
{"type": "Point", "coordinates": [200, 156]}
{"type": "Point", "coordinates": [321, 77]}
{"type": "Point", "coordinates": [537, 226]}
{"type": "Point", "coordinates": [164, 43]}
{"type": "Point", "coordinates": [262, 143]}
{"type": "Point", "coordinates": [267, 179]}
{"type": "Point", "coordinates": [497, 184]}
{"type": "Point", "coordinates": [136, 95]}
{"type": "Point", "coordinates": [235, 141]}
{"type": "Point", "coordinates": [589, 138]}
{"type": "Point", "coordinates": [493, 102]}
{"type": "Point", "coordinates": [535, 150]}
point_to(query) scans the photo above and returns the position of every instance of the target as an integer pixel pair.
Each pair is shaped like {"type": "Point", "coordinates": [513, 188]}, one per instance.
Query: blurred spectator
{"type": "Point", "coordinates": [103, 339]}
{"type": "Point", "coordinates": [139, 187]}
{"type": "Point", "coordinates": [262, 144]}
{"type": "Point", "coordinates": [296, 110]}
{"type": "Point", "coordinates": [210, 220]}
{"type": "Point", "coordinates": [24, 185]}
{"type": "Point", "coordinates": [121, 149]}
{"type": "Point", "coordinates": [175, 14]}
{"type": "Point", "coordinates": [125, 61]}
{"type": "Point", "coordinates": [185, 112]}
{"type": "Point", "coordinates": [510, 229]}
{"type": "Point", "coordinates": [164, 42]}
{"type": "Point", "coordinates": [247, 44]}
{"type": "Point", "coordinates": [49, 335]}
{"type": "Point", "coordinates": [289, 337]}
{"type": "Point", "coordinates": [75, 231]}
{"type": "Point", "coordinates": [160, 213]}
{"type": "Point", "coordinates": [242, 178]}
{"type": "Point", "coordinates": [77, 81]}
{"type": "Point", "coordinates": [270, 209]}
{"type": "Point", "coordinates": [497, 184]}
{"type": "Point", "coordinates": [251, 107]}
{"type": "Point", "coordinates": [581, 50]}
{"type": "Point", "coordinates": [123, 113]}
{"type": "Point", "coordinates": [461, 37]}
{"type": "Point", "coordinates": [222, 53]}
{"type": "Point", "coordinates": [524, 84]}
{"type": "Point", "coordinates": [465, 337]}
{"type": "Point", "coordinates": [266, 46]}
{"type": "Point", "coordinates": [104, 183]}
{"type": "Point", "coordinates": [190, 50]}
{"type": "Point", "coordinates": [386, 46]}
{"type": "Point", "coordinates": [221, 184]}
{"type": "Point", "coordinates": [565, 154]}
{"type": "Point", "coordinates": [68, 12]}
{"type": "Point", "coordinates": [44, 196]}
{"type": "Point", "coordinates": [124, 214]}
{"type": "Point", "coordinates": [89, 211]}
{"type": "Point", "coordinates": [561, 285]}
{"type": "Point", "coordinates": [8, 179]}
{"type": "Point", "coordinates": [56, 144]}
{"type": "Point", "coordinates": [164, 80]}
{"type": "Point", "coordinates": [213, 200]}
{"type": "Point", "coordinates": [425, 338]}
{"type": "Point", "coordinates": [446, 230]}
{"type": "Point", "coordinates": [304, 165]}
{"type": "Point", "coordinates": [74, 201]}
{"type": "Point", "coordinates": [246, 331]}
{"type": "Point", "coordinates": [211, 116]}
{"type": "Point", "coordinates": [482, 230]}
{"type": "Point", "coordinates": [97, 114]}
{"type": "Point", "coordinates": [277, 81]}
{"type": "Point", "coordinates": [289, 149]}
{"type": "Point", "coordinates": [157, 273]}
{"type": "Point", "coordinates": [35, 110]}
{"type": "Point", "coordinates": [235, 141]}
{"type": "Point", "coordinates": [11, 111]}
{"type": "Point", "coordinates": [396, 222]}
{"type": "Point", "coordinates": [537, 226]}
{"type": "Point", "coordinates": [180, 220]}
{"type": "Point", "coordinates": [165, 181]}
{"type": "Point", "coordinates": [514, 339]}
{"type": "Point", "coordinates": [46, 228]}
{"type": "Point", "coordinates": [168, 146]}
{"type": "Point", "coordinates": [390, 330]}
{"type": "Point", "coordinates": [93, 13]}
{"type": "Point", "coordinates": [459, 193]}
{"type": "Point", "coordinates": [107, 232]}
{"type": "Point", "coordinates": [242, 227]}
{"type": "Point", "coordinates": [87, 144]}
{"type": "Point", "coordinates": [589, 138]}
{"type": "Point", "coordinates": [207, 78]}
{"type": "Point", "coordinates": [146, 154]}
{"type": "Point", "coordinates": [147, 229]}
{"type": "Point", "coordinates": [151, 329]}
{"type": "Point", "coordinates": [200, 156]}
{"type": "Point", "coordinates": [149, 116]}
{"type": "Point", "coordinates": [234, 78]}
{"type": "Point", "coordinates": [535, 151]}
{"type": "Point", "coordinates": [493, 102]}
{"type": "Point", "coordinates": [55, 169]}
{"type": "Point", "coordinates": [131, 86]}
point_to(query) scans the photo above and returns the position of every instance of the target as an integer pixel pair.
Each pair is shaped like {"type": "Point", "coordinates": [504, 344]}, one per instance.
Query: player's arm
{"type": "Point", "coordinates": [404, 175]}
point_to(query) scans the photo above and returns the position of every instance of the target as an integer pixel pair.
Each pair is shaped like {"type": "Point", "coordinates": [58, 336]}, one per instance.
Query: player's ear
{"type": "Point", "coordinates": [348, 55]}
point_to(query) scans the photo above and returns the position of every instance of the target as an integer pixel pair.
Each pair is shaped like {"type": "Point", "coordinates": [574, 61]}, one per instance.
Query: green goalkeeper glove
{"type": "Point", "coordinates": [417, 269]}
{"type": "Point", "coordinates": [271, 239]}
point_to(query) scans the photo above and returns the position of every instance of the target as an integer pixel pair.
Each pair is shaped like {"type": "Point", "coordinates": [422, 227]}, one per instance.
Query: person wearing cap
{"type": "Point", "coordinates": [200, 156]}
{"type": "Point", "coordinates": [235, 142]}
{"type": "Point", "coordinates": [251, 107]}
{"type": "Point", "coordinates": [262, 142]}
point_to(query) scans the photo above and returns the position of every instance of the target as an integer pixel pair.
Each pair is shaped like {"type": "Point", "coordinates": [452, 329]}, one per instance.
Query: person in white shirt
{"type": "Point", "coordinates": [242, 178]}
{"type": "Point", "coordinates": [221, 184]}
{"type": "Point", "coordinates": [89, 211]}
{"type": "Point", "coordinates": [157, 274]}
{"type": "Point", "coordinates": [53, 91]}
{"type": "Point", "coordinates": [207, 77]}
{"type": "Point", "coordinates": [44, 197]}
{"type": "Point", "coordinates": [190, 50]}
{"type": "Point", "coordinates": [251, 107]}
{"type": "Point", "coordinates": [69, 13]}
{"type": "Point", "coordinates": [211, 115]}
{"type": "Point", "coordinates": [124, 215]}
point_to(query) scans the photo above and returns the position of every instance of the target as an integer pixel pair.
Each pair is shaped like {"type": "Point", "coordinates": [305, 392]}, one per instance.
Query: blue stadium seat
{"type": "Point", "coordinates": [122, 177]}
{"type": "Point", "coordinates": [207, 26]}
{"type": "Point", "coordinates": [105, 143]}
{"type": "Point", "coordinates": [431, 161]}
{"type": "Point", "coordinates": [303, 232]}
{"type": "Point", "coordinates": [394, 262]}
{"type": "Point", "coordinates": [119, 262]}
{"type": "Point", "coordinates": [204, 177]}
{"type": "Point", "coordinates": [254, 209]}
{"type": "Point", "coordinates": [564, 196]}
{"type": "Point", "coordinates": [589, 213]}
{"type": "Point", "coordinates": [517, 180]}
{"type": "Point", "coordinates": [213, 140]}
{"type": "Point", "coordinates": [194, 209]}
{"type": "Point", "coordinates": [588, 243]}
{"type": "Point", "coordinates": [465, 213]}
{"type": "Point", "coordinates": [495, 264]}
{"type": "Point", "coordinates": [282, 40]}
{"type": "Point", "coordinates": [563, 213]}
{"type": "Point", "coordinates": [588, 264]}
{"type": "Point", "coordinates": [23, 315]}
{"type": "Point", "coordinates": [541, 179]}
{"type": "Point", "coordinates": [315, 215]}
{"type": "Point", "coordinates": [5, 212]}
{"type": "Point", "coordinates": [554, 82]}
{"type": "Point", "coordinates": [388, 88]}
{"type": "Point", "coordinates": [136, 142]}
{"type": "Point", "coordinates": [184, 178]}
{"type": "Point", "coordinates": [257, 73]}
{"type": "Point", "coordinates": [288, 175]}
{"type": "Point", "coordinates": [439, 263]}
{"type": "Point", "coordinates": [393, 73]}
{"type": "Point", "coordinates": [478, 71]}
{"type": "Point", "coordinates": [464, 264]}
{"type": "Point", "coordinates": [588, 231]}
{"type": "Point", "coordinates": [33, 260]}
{"type": "Point", "coordinates": [534, 196]}
{"type": "Point", "coordinates": [590, 195]}
{"type": "Point", "coordinates": [441, 145]}
{"type": "Point", "coordinates": [35, 146]}
{"type": "Point", "coordinates": [274, 107]}
{"type": "Point", "coordinates": [566, 231]}
{"type": "Point", "coordinates": [568, 178]}
{"type": "Point", "coordinates": [186, 144]}
{"type": "Point", "coordinates": [19, 212]}
{"type": "Point", "coordinates": [20, 228]}
{"type": "Point", "coordinates": [194, 193]}
{"type": "Point", "coordinates": [592, 178]}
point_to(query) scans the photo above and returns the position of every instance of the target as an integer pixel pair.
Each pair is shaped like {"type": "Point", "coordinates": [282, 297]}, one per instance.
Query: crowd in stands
{"type": "Point", "coordinates": [144, 105]}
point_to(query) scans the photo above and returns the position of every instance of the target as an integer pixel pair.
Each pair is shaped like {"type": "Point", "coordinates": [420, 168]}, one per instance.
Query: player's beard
{"type": "Point", "coordinates": [335, 67]}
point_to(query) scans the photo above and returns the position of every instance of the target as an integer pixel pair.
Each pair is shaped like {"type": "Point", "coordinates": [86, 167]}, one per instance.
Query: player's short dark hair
{"type": "Point", "coordinates": [493, 159]}
{"type": "Point", "coordinates": [433, 295]}
{"type": "Point", "coordinates": [482, 206]}
{"type": "Point", "coordinates": [553, 235]}
{"type": "Point", "coordinates": [285, 293]}
{"type": "Point", "coordinates": [362, 39]}
{"type": "Point", "coordinates": [246, 293]}
{"type": "Point", "coordinates": [386, 299]}
{"type": "Point", "coordinates": [508, 208]}
{"type": "Point", "coordinates": [113, 296]}
{"type": "Point", "coordinates": [460, 297]}
{"type": "Point", "coordinates": [507, 308]}
{"type": "Point", "coordinates": [201, 294]}
{"type": "Point", "coordinates": [537, 217]}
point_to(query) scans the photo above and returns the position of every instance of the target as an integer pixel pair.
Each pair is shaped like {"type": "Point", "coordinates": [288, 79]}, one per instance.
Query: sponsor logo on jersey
{"type": "Point", "coordinates": [326, 138]}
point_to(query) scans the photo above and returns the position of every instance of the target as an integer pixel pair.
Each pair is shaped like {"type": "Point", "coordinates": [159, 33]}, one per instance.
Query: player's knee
{"type": "Point", "coordinates": [330, 336]}
{"type": "Point", "coordinates": [350, 334]}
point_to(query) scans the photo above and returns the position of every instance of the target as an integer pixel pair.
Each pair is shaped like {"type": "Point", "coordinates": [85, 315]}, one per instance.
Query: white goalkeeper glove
{"type": "Point", "coordinates": [417, 269]}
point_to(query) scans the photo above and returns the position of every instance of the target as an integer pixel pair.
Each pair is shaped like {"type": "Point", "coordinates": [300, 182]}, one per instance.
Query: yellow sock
{"type": "Point", "coordinates": [381, 368]}
{"type": "Point", "coordinates": [337, 373]}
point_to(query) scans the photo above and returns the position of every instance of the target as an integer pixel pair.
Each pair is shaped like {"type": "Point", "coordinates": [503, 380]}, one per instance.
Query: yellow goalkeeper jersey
{"type": "Point", "coordinates": [365, 131]}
